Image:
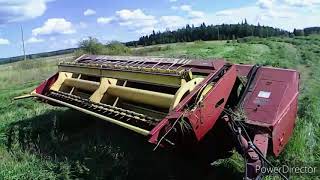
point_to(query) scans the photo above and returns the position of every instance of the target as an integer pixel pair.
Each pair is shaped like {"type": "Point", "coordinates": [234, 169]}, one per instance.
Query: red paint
{"type": "Point", "coordinates": [278, 112]}
{"type": "Point", "coordinates": [204, 116]}
{"type": "Point", "coordinates": [44, 87]}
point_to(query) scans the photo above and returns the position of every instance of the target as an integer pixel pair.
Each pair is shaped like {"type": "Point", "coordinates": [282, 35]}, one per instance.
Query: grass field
{"type": "Point", "coordinates": [38, 141]}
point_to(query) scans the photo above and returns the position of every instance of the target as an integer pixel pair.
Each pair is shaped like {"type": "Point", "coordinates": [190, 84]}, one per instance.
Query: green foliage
{"type": "Point", "coordinates": [306, 31]}
{"type": "Point", "coordinates": [22, 165]}
{"type": "Point", "coordinates": [205, 33]}
{"type": "Point", "coordinates": [145, 51]}
{"type": "Point", "coordinates": [91, 46]}
{"type": "Point", "coordinates": [198, 42]}
{"type": "Point", "coordinates": [116, 48]}
{"type": "Point", "coordinates": [79, 53]}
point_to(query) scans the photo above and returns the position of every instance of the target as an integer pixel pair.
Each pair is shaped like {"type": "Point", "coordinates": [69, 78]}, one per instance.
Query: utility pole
{"type": "Point", "coordinates": [22, 38]}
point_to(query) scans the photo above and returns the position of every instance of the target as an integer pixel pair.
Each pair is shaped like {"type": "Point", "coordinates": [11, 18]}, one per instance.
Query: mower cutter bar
{"type": "Point", "coordinates": [95, 114]}
{"type": "Point", "coordinates": [107, 110]}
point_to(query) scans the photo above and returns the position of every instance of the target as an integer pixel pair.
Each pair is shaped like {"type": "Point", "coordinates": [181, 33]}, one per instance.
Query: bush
{"type": "Point", "coordinates": [146, 50]}
{"type": "Point", "coordinates": [78, 53]}
{"type": "Point", "coordinates": [247, 39]}
{"type": "Point", "coordinates": [91, 46]}
{"type": "Point", "coordinates": [116, 48]}
{"type": "Point", "coordinates": [198, 42]}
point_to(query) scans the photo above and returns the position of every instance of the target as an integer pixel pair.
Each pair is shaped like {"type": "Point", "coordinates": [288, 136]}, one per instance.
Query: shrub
{"type": "Point", "coordinates": [91, 46]}
{"type": "Point", "coordinates": [28, 64]}
{"type": "Point", "coordinates": [198, 42]}
{"type": "Point", "coordinates": [78, 53]}
{"type": "Point", "coordinates": [116, 48]}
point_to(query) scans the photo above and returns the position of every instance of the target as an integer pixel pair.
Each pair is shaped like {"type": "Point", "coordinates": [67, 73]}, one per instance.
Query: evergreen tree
{"type": "Point", "coordinates": [213, 32]}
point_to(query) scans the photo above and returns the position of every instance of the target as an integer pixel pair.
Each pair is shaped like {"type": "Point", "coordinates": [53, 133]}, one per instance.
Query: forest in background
{"type": "Point", "coordinates": [218, 32]}
{"type": "Point", "coordinates": [186, 34]}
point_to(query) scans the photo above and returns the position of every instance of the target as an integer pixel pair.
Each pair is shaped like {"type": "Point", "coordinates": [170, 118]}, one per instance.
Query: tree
{"type": "Point", "coordinates": [298, 32]}
{"type": "Point", "coordinates": [91, 46]}
{"type": "Point", "coordinates": [209, 32]}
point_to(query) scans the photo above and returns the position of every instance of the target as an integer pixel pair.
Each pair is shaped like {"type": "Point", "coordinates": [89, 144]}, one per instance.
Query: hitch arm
{"type": "Point", "coordinates": [254, 161]}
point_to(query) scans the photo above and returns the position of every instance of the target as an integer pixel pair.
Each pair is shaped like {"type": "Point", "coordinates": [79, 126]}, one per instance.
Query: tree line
{"type": "Point", "coordinates": [210, 32]}
{"type": "Point", "coordinates": [306, 31]}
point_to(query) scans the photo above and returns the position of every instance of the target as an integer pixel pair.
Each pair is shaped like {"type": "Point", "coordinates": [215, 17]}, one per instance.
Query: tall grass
{"type": "Point", "coordinates": [29, 71]}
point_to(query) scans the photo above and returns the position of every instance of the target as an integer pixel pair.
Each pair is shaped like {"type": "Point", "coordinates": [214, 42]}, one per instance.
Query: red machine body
{"type": "Point", "coordinates": [267, 97]}
{"type": "Point", "coordinates": [272, 103]}
{"type": "Point", "coordinates": [203, 117]}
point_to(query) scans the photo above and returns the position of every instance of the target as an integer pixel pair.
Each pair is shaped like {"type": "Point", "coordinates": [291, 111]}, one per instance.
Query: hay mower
{"type": "Point", "coordinates": [196, 105]}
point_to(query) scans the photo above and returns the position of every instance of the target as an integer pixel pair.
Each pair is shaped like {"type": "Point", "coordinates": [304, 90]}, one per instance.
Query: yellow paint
{"type": "Point", "coordinates": [122, 124]}
{"type": "Point", "coordinates": [172, 80]}
{"type": "Point", "coordinates": [61, 78]}
{"type": "Point", "coordinates": [185, 88]}
{"type": "Point", "coordinates": [156, 99]}
{"type": "Point", "coordinates": [100, 92]}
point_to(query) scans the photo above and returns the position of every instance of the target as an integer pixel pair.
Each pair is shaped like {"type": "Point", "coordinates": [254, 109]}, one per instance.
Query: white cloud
{"type": "Point", "coordinates": [104, 20]}
{"type": "Point", "coordinates": [278, 15]}
{"type": "Point", "coordinates": [172, 22]}
{"type": "Point", "coordinates": [19, 10]}
{"type": "Point", "coordinates": [58, 43]}
{"type": "Point", "coordinates": [54, 26]}
{"type": "Point", "coordinates": [192, 13]}
{"type": "Point", "coordinates": [302, 3]}
{"type": "Point", "coordinates": [4, 41]}
{"type": "Point", "coordinates": [136, 20]}
{"type": "Point", "coordinates": [196, 14]}
{"type": "Point", "coordinates": [185, 8]}
{"type": "Point", "coordinates": [89, 12]}
{"type": "Point", "coordinates": [224, 13]}
{"type": "Point", "coordinates": [173, 0]}
{"type": "Point", "coordinates": [174, 7]}
{"type": "Point", "coordinates": [34, 40]}
{"type": "Point", "coordinates": [265, 4]}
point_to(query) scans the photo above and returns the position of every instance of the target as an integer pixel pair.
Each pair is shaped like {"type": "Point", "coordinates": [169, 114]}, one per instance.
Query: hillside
{"type": "Point", "coordinates": [38, 55]}
{"type": "Point", "coordinates": [38, 141]}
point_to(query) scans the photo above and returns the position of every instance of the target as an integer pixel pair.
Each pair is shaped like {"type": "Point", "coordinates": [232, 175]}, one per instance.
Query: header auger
{"type": "Point", "coordinates": [182, 102]}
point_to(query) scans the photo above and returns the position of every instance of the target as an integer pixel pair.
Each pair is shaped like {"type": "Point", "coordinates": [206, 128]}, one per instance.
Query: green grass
{"type": "Point", "coordinates": [39, 141]}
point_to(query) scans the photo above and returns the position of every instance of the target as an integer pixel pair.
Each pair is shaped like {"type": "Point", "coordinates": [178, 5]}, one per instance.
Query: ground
{"type": "Point", "coordinates": [38, 141]}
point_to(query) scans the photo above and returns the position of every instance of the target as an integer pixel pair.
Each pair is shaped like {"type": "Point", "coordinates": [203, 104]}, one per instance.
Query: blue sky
{"type": "Point", "coordinates": [57, 24]}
